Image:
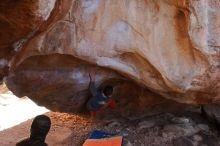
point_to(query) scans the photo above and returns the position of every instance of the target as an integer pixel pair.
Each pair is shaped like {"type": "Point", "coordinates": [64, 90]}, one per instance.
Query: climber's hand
{"type": "Point", "coordinates": [92, 75]}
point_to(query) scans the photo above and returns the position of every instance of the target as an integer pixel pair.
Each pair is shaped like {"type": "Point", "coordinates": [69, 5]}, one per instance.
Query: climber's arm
{"type": "Point", "coordinates": [92, 87]}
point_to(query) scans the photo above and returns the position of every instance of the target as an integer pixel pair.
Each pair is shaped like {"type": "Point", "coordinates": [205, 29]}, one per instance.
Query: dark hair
{"type": "Point", "coordinates": [108, 90]}
{"type": "Point", "coordinates": [40, 126]}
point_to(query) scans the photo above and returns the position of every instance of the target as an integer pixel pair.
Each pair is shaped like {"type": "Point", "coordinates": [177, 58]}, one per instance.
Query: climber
{"type": "Point", "coordinates": [39, 129]}
{"type": "Point", "coordinates": [101, 97]}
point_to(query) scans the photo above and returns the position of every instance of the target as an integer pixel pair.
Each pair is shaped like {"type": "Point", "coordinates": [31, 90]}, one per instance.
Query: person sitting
{"type": "Point", "coordinates": [102, 98]}
{"type": "Point", "coordinates": [39, 130]}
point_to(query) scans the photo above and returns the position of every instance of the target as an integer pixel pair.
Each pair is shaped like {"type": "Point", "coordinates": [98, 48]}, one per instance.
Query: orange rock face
{"type": "Point", "coordinates": [167, 47]}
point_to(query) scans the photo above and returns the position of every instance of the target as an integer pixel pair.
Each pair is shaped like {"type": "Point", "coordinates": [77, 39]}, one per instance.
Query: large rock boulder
{"type": "Point", "coordinates": [167, 47]}
{"type": "Point", "coordinates": [22, 20]}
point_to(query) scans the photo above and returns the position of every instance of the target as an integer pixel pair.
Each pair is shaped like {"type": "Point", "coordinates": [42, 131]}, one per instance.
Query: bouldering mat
{"type": "Point", "coordinates": [113, 141]}
{"type": "Point", "coordinates": [100, 138]}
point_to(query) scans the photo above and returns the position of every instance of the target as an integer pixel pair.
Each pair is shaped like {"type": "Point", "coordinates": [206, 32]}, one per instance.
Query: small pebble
{"type": "Point", "coordinates": [197, 138]}
{"type": "Point", "coordinates": [114, 124]}
{"type": "Point", "coordinates": [180, 120]}
{"type": "Point", "coordinates": [164, 135]}
{"type": "Point", "coordinates": [125, 134]}
{"type": "Point", "coordinates": [146, 124]}
{"type": "Point", "coordinates": [203, 127]}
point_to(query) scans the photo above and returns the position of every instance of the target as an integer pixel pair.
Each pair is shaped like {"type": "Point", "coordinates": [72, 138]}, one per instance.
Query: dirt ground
{"type": "Point", "coordinates": [66, 130]}
{"type": "Point", "coordinates": [188, 128]}
{"type": "Point", "coordinates": [72, 130]}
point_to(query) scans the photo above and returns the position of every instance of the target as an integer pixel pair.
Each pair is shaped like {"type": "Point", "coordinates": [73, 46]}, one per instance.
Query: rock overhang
{"type": "Point", "coordinates": [167, 47]}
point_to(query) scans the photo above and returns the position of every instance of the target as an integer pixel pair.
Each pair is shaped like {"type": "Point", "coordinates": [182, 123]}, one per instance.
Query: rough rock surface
{"type": "Point", "coordinates": [166, 47]}
{"type": "Point", "coordinates": [212, 113]}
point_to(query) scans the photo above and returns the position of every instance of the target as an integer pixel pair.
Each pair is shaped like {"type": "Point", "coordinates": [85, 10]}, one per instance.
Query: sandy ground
{"type": "Point", "coordinates": [62, 132]}
{"type": "Point", "coordinates": [15, 111]}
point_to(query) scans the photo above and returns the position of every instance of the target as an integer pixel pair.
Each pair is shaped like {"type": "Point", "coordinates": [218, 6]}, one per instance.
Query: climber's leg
{"type": "Point", "coordinates": [93, 113]}
{"type": "Point", "coordinates": [112, 103]}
